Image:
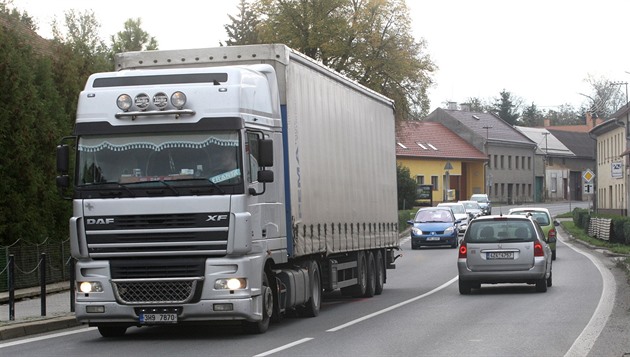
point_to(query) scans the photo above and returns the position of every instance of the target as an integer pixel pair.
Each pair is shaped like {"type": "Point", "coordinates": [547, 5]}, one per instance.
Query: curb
{"type": "Point", "coordinates": [22, 329]}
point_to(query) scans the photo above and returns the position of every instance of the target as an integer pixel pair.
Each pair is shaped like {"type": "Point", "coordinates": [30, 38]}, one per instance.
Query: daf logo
{"type": "Point", "coordinates": [216, 217]}
{"type": "Point", "coordinates": [100, 220]}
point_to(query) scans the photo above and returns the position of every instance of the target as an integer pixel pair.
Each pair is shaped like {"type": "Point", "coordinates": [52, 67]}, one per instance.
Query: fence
{"type": "Point", "coordinates": [27, 268]}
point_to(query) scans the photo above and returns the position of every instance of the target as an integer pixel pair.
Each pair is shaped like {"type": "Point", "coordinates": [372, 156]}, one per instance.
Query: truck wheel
{"type": "Point", "coordinates": [311, 308]}
{"type": "Point", "coordinates": [261, 326]}
{"type": "Point", "coordinates": [370, 287]}
{"type": "Point", "coordinates": [380, 272]}
{"type": "Point", "coordinates": [112, 331]}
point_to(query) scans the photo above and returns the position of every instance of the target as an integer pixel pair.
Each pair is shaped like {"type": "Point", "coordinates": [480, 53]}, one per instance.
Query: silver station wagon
{"type": "Point", "coordinates": [504, 249]}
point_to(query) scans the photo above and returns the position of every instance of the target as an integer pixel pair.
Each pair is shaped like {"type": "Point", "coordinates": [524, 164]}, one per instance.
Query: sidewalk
{"type": "Point", "coordinates": [28, 318]}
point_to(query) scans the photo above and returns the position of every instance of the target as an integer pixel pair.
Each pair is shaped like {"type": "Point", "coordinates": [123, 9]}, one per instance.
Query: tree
{"type": "Point", "coordinates": [133, 38]}
{"type": "Point", "coordinates": [406, 187]}
{"type": "Point", "coordinates": [566, 115]}
{"type": "Point", "coordinates": [506, 108]}
{"type": "Point", "coordinates": [244, 27]}
{"type": "Point", "coordinates": [606, 96]}
{"type": "Point", "coordinates": [532, 116]}
{"type": "Point", "coordinates": [477, 105]}
{"type": "Point", "coordinates": [369, 41]}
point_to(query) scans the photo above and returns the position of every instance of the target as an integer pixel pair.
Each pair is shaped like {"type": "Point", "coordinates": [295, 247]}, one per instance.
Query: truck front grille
{"type": "Point", "coordinates": [154, 291]}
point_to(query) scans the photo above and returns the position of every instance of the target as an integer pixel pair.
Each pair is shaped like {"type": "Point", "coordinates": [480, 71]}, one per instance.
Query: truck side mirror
{"type": "Point", "coordinates": [63, 158]}
{"type": "Point", "coordinates": [265, 153]}
{"type": "Point", "coordinates": [265, 176]}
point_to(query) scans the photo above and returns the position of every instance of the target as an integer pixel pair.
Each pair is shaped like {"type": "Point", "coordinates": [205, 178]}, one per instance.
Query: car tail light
{"type": "Point", "coordinates": [463, 250]}
{"type": "Point", "coordinates": [538, 250]}
{"type": "Point", "coordinates": [552, 234]}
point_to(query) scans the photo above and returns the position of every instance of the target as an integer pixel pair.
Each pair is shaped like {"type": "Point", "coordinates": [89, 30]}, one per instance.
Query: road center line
{"type": "Point", "coordinates": [353, 322]}
{"type": "Point", "coordinates": [284, 347]}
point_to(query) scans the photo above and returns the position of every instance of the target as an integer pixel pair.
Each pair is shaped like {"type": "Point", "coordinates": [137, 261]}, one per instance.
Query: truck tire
{"type": "Point", "coordinates": [358, 290]}
{"type": "Point", "coordinates": [112, 331]}
{"type": "Point", "coordinates": [370, 287]}
{"type": "Point", "coordinates": [312, 306]}
{"type": "Point", "coordinates": [380, 272]}
{"type": "Point", "coordinates": [257, 327]}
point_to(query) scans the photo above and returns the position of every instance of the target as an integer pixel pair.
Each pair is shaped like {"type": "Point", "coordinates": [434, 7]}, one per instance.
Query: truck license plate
{"type": "Point", "coordinates": [158, 319]}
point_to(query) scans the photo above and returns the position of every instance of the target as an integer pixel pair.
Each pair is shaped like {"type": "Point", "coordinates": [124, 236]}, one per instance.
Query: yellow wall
{"type": "Point", "coordinates": [428, 168]}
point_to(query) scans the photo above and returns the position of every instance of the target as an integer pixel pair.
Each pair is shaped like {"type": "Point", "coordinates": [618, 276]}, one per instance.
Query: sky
{"type": "Point", "coordinates": [541, 51]}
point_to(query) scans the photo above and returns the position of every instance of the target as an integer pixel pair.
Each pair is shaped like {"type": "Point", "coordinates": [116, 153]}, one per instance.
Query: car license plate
{"type": "Point", "coordinates": [433, 238]}
{"type": "Point", "coordinates": [500, 255]}
{"type": "Point", "coordinates": [158, 318]}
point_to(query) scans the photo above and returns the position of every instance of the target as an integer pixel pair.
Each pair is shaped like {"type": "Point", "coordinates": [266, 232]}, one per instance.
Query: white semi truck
{"type": "Point", "coordinates": [226, 184]}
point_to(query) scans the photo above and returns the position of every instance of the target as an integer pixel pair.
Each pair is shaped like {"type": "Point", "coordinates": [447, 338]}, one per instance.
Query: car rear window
{"type": "Point", "coordinates": [500, 231]}
{"type": "Point", "coordinates": [541, 217]}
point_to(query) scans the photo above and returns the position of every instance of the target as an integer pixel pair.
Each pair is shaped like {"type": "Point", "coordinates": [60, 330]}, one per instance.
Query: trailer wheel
{"type": "Point", "coordinates": [261, 326]}
{"type": "Point", "coordinates": [311, 308]}
{"type": "Point", "coordinates": [380, 272]}
{"type": "Point", "coordinates": [358, 290]}
{"type": "Point", "coordinates": [112, 331]}
{"type": "Point", "coordinates": [370, 287]}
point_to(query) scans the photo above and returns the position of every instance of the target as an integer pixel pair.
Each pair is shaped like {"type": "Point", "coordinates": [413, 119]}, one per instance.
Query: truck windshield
{"type": "Point", "coordinates": [177, 157]}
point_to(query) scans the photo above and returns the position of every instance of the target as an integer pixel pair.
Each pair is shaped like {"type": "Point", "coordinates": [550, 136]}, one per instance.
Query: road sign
{"type": "Point", "coordinates": [588, 175]}
{"type": "Point", "coordinates": [588, 188]}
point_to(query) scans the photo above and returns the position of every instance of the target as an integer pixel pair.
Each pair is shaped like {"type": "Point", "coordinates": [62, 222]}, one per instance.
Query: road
{"type": "Point", "coordinates": [420, 313]}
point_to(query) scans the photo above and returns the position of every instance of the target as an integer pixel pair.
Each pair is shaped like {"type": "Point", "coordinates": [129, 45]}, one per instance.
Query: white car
{"type": "Point", "coordinates": [460, 214]}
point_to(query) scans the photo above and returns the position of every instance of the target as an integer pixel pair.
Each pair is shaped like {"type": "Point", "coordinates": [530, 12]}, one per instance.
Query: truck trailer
{"type": "Point", "coordinates": [226, 184]}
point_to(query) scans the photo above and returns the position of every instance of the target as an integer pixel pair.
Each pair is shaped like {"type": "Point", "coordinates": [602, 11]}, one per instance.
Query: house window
{"type": "Point", "coordinates": [434, 182]}
{"type": "Point", "coordinates": [516, 162]}
{"type": "Point", "coordinates": [529, 163]}
{"type": "Point", "coordinates": [502, 162]}
{"type": "Point", "coordinates": [420, 179]}
{"type": "Point", "coordinates": [523, 162]}
{"type": "Point", "coordinates": [509, 162]}
{"type": "Point", "coordinates": [496, 158]}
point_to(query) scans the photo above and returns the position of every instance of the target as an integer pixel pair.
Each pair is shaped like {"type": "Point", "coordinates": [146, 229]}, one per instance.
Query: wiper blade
{"type": "Point", "coordinates": [212, 183]}
{"type": "Point", "coordinates": [169, 186]}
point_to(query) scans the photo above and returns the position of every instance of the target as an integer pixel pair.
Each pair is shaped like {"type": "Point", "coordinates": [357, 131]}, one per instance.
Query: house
{"type": "Point", "coordinates": [554, 158]}
{"type": "Point", "coordinates": [437, 156]}
{"type": "Point", "coordinates": [611, 155]}
{"type": "Point", "coordinates": [511, 175]}
{"type": "Point", "coordinates": [582, 145]}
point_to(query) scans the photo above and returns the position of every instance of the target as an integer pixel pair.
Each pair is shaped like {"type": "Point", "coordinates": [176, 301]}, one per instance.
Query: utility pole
{"type": "Point", "coordinates": [545, 168]}
{"type": "Point", "coordinates": [486, 175]}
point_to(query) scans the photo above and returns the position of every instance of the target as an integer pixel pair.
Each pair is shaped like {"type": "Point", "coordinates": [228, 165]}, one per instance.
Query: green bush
{"type": "Point", "coordinates": [626, 232]}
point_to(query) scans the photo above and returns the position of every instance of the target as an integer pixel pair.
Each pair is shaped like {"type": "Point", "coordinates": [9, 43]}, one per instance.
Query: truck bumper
{"type": "Point", "coordinates": [203, 311]}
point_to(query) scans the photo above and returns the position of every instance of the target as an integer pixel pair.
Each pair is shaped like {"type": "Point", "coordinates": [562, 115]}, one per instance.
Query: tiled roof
{"type": "Point", "coordinates": [581, 144]}
{"type": "Point", "coordinates": [484, 124]}
{"type": "Point", "coordinates": [432, 140]}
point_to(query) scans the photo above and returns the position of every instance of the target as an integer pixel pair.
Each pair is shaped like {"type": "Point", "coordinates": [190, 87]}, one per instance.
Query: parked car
{"type": "Point", "coordinates": [484, 202]}
{"type": "Point", "coordinates": [434, 226]}
{"type": "Point", "coordinates": [459, 211]}
{"type": "Point", "coordinates": [472, 208]}
{"type": "Point", "coordinates": [548, 225]}
{"type": "Point", "coordinates": [504, 249]}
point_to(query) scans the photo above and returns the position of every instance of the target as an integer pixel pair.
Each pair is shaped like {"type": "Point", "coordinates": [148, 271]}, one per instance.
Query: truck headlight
{"type": "Point", "coordinates": [230, 284]}
{"type": "Point", "coordinates": [91, 287]}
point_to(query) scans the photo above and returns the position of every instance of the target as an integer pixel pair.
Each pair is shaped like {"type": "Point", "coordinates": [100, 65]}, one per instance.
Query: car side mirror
{"type": "Point", "coordinates": [410, 221]}
{"type": "Point", "coordinates": [556, 223]}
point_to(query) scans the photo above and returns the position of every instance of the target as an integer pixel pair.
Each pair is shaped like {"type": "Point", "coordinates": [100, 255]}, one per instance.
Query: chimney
{"type": "Point", "coordinates": [452, 105]}
{"type": "Point", "coordinates": [590, 121]}
{"type": "Point", "coordinates": [546, 122]}
{"type": "Point", "coordinates": [464, 107]}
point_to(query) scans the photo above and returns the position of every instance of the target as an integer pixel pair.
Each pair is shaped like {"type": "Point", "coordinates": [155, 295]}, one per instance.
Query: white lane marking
{"type": "Point", "coordinates": [353, 322]}
{"type": "Point", "coordinates": [585, 341]}
{"type": "Point", "coordinates": [281, 348]}
{"type": "Point", "coordinates": [45, 337]}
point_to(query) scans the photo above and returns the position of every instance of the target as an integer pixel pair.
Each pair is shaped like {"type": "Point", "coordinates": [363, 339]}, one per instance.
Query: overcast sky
{"type": "Point", "coordinates": [538, 50]}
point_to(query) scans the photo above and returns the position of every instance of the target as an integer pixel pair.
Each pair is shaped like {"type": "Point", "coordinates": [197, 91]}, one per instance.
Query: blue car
{"type": "Point", "coordinates": [433, 226]}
